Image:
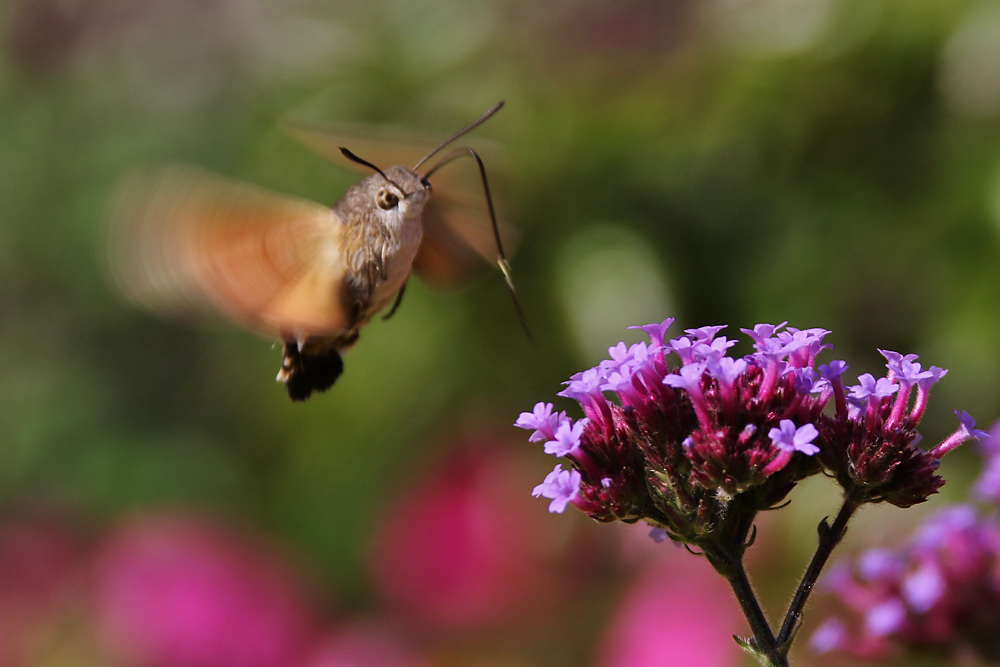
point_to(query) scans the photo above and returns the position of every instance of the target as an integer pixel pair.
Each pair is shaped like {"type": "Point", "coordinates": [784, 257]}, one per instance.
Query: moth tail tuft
{"type": "Point", "coordinates": [304, 372]}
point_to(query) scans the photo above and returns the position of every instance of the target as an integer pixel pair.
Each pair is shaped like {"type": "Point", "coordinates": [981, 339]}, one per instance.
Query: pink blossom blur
{"type": "Point", "coordinates": [462, 546]}
{"type": "Point", "coordinates": [174, 591]}
{"type": "Point", "coordinates": [678, 612]}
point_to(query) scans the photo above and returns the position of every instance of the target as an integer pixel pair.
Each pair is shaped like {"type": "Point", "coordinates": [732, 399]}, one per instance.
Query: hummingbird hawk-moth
{"type": "Point", "coordinates": [308, 274]}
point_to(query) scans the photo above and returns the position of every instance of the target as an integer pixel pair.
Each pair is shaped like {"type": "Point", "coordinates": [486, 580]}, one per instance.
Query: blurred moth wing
{"type": "Point", "coordinates": [186, 241]}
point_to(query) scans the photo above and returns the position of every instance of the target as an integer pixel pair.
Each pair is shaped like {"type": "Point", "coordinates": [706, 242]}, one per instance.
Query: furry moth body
{"type": "Point", "coordinates": [309, 275]}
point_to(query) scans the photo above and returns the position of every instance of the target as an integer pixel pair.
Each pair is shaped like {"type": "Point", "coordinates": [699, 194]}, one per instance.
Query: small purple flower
{"type": "Point", "coordinates": [966, 431]}
{"type": "Point", "coordinates": [685, 348]}
{"type": "Point", "coordinates": [705, 334]}
{"type": "Point", "coordinates": [712, 351]}
{"type": "Point", "coordinates": [567, 438]}
{"type": "Point", "coordinates": [895, 357]}
{"type": "Point", "coordinates": [619, 353]}
{"type": "Point", "coordinates": [770, 356]}
{"type": "Point", "coordinates": [656, 332]}
{"type": "Point", "coordinates": [762, 332]}
{"type": "Point", "coordinates": [587, 389]}
{"type": "Point", "coordinates": [832, 370]}
{"type": "Point", "coordinates": [802, 345]}
{"type": "Point", "coordinates": [909, 373]}
{"type": "Point", "coordinates": [789, 438]}
{"type": "Point", "coordinates": [561, 486]}
{"type": "Point", "coordinates": [869, 388]}
{"type": "Point", "coordinates": [688, 378]}
{"type": "Point", "coordinates": [618, 356]}
{"type": "Point", "coordinates": [929, 377]}
{"type": "Point", "coordinates": [968, 425]}
{"type": "Point", "coordinates": [542, 420]}
{"type": "Point", "coordinates": [771, 349]}
{"type": "Point", "coordinates": [727, 370]}
{"type": "Point", "coordinates": [806, 381]}
{"type": "Point", "coordinates": [621, 382]}
{"type": "Point", "coordinates": [923, 388]}
{"type": "Point", "coordinates": [583, 385]}
{"type": "Point", "coordinates": [830, 384]}
{"type": "Point", "coordinates": [895, 360]}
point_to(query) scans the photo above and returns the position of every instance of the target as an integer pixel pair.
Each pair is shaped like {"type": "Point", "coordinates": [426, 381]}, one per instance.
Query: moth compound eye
{"type": "Point", "coordinates": [386, 200]}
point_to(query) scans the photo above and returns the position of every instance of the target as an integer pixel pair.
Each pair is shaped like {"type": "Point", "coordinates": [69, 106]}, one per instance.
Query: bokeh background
{"type": "Point", "coordinates": [832, 163]}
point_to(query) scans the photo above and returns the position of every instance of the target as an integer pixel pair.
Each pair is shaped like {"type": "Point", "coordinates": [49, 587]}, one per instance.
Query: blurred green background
{"type": "Point", "coordinates": [832, 163]}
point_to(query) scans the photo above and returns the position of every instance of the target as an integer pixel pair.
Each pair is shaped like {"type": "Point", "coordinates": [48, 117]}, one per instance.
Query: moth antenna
{"type": "Point", "coordinates": [354, 158]}
{"type": "Point", "coordinates": [465, 130]}
{"type": "Point", "coordinates": [465, 151]}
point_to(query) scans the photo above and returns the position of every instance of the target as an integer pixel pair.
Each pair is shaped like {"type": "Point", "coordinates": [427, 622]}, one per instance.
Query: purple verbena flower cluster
{"type": "Point", "coordinates": [940, 592]}
{"type": "Point", "coordinates": [695, 442]}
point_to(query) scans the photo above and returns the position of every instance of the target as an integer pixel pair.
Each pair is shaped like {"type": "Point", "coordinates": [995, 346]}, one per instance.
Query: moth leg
{"type": "Point", "coordinates": [395, 304]}
{"type": "Point", "coordinates": [383, 265]}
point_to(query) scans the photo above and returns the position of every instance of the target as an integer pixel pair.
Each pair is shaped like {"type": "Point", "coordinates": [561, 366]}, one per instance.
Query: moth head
{"type": "Point", "coordinates": [390, 197]}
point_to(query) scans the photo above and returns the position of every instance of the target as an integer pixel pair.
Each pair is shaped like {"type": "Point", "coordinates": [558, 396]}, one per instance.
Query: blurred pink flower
{"type": "Point", "coordinates": [679, 612]}
{"type": "Point", "coordinates": [364, 644]}
{"type": "Point", "coordinates": [174, 591]}
{"type": "Point", "coordinates": [462, 547]}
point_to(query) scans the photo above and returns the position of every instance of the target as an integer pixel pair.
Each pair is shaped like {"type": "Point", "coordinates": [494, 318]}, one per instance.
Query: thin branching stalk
{"type": "Point", "coordinates": [829, 537]}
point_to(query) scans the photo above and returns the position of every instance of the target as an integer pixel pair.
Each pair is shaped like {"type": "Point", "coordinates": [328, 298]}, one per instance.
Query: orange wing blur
{"type": "Point", "coordinates": [183, 239]}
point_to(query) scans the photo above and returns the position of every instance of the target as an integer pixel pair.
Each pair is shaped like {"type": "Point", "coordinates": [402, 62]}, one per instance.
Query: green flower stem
{"type": "Point", "coordinates": [829, 537]}
{"type": "Point", "coordinates": [763, 644]}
